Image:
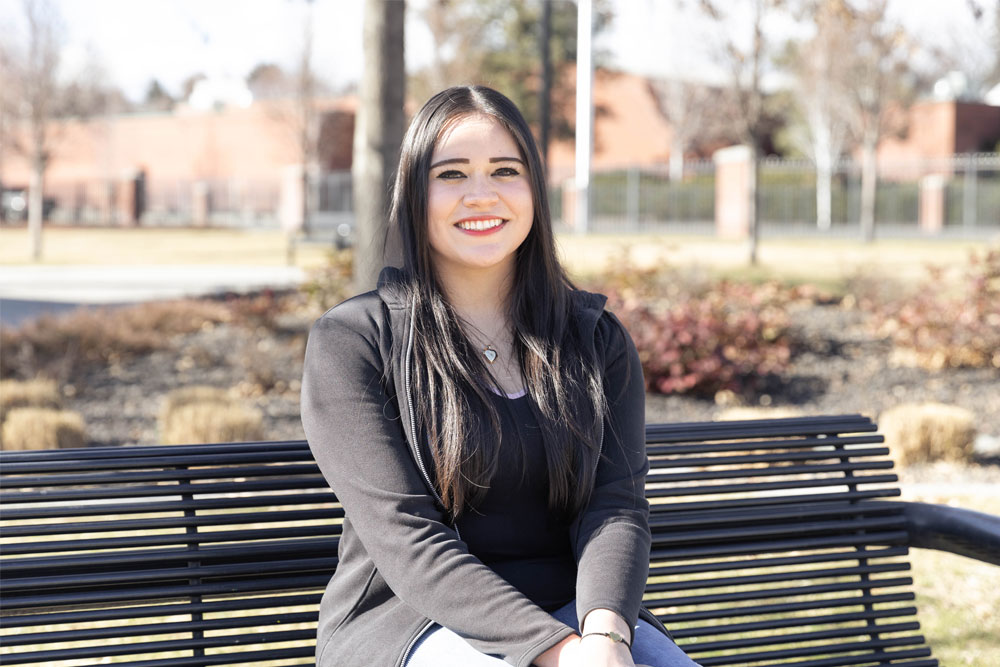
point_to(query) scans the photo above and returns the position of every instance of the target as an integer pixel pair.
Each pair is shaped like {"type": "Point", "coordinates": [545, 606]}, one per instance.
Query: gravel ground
{"type": "Point", "coordinates": [840, 370]}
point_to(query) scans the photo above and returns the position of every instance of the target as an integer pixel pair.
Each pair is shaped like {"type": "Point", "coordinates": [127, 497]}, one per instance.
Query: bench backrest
{"type": "Point", "coordinates": [771, 545]}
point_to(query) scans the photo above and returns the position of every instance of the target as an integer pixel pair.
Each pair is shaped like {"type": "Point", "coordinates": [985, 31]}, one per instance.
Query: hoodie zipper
{"type": "Point", "coordinates": [413, 642]}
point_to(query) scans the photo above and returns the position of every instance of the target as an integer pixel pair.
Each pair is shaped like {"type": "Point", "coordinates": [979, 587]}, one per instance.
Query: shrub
{"type": "Point", "coordinates": [42, 428]}
{"type": "Point", "coordinates": [207, 414]}
{"type": "Point", "coordinates": [38, 393]}
{"type": "Point", "coordinates": [928, 432]}
{"type": "Point", "coordinates": [331, 283]}
{"type": "Point", "coordinates": [60, 346]}
{"type": "Point", "coordinates": [702, 338]}
{"type": "Point", "coordinates": [934, 330]}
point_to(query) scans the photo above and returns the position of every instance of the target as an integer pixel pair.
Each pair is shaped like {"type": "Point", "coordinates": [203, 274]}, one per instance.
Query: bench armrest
{"type": "Point", "coordinates": [959, 531]}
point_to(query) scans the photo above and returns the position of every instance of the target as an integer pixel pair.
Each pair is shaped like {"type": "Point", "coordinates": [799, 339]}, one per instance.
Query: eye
{"type": "Point", "coordinates": [507, 171]}
{"type": "Point", "coordinates": [451, 174]}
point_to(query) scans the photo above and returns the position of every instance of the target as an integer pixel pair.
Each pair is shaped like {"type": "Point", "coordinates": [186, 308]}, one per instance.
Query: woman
{"type": "Point", "coordinates": [482, 423]}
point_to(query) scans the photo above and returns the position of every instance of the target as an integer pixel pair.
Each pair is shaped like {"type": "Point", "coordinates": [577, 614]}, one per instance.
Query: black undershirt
{"type": "Point", "coordinates": [512, 530]}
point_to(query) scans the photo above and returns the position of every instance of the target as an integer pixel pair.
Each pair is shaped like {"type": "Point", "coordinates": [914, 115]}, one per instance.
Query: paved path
{"type": "Point", "coordinates": [28, 291]}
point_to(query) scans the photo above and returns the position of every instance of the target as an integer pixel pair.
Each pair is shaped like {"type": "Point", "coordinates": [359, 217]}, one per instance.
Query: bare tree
{"type": "Point", "coordinates": [820, 71]}
{"type": "Point", "coordinates": [880, 88]}
{"type": "Point", "coordinates": [746, 57]}
{"type": "Point", "coordinates": [378, 133]}
{"type": "Point", "coordinates": [33, 76]}
{"type": "Point", "coordinates": [694, 110]}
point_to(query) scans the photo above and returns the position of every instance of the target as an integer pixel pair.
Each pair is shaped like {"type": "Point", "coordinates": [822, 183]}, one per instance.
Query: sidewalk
{"type": "Point", "coordinates": [26, 291]}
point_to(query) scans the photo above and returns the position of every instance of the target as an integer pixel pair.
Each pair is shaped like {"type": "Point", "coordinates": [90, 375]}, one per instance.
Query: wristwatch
{"type": "Point", "coordinates": [612, 635]}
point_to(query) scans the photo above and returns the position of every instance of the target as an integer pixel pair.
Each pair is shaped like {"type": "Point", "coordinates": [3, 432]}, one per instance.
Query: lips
{"type": "Point", "coordinates": [480, 225]}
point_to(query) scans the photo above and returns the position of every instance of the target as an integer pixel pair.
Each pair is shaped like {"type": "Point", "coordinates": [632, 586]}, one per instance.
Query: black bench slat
{"type": "Point", "coordinates": [163, 558]}
{"type": "Point", "coordinates": [163, 593]}
{"type": "Point", "coordinates": [816, 635]}
{"type": "Point", "coordinates": [706, 489]}
{"type": "Point", "coordinates": [187, 607]}
{"type": "Point", "coordinates": [869, 616]}
{"type": "Point", "coordinates": [786, 591]}
{"type": "Point", "coordinates": [24, 469]}
{"type": "Point", "coordinates": [669, 517]}
{"type": "Point", "coordinates": [139, 492]}
{"type": "Point", "coordinates": [228, 450]}
{"type": "Point", "coordinates": [766, 501]}
{"type": "Point", "coordinates": [867, 600]}
{"type": "Point", "coordinates": [881, 657]}
{"type": "Point", "coordinates": [171, 474]}
{"type": "Point", "coordinates": [15, 514]}
{"type": "Point", "coordinates": [159, 523]}
{"type": "Point", "coordinates": [833, 443]}
{"type": "Point", "coordinates": [168, 628]}
{"type": "Point", "coordinates": [166, 539]}
{"type": "Point", "coordinates": [824, 557]}
{"type": "Point", "coordinates": [775, 471]}
{"type": "Point", "coordinates": [789, 529]}
{"type": "Point", "coordinates": [668, 461]}
{"type": "Point", "coordinates": [797, 575]}
{"type": "Point", "coordinates": [114, 580]}
{"type": "Point", "coordinates": [86, 653]}
{"type": "Point", "coordinates": [660, 552]}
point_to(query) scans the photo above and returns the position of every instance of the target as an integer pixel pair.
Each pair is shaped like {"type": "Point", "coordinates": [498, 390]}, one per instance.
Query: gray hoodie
{"type": "Point", "coordinates": [402, 565]}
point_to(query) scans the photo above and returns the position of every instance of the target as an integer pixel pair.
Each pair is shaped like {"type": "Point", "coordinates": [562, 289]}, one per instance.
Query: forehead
{"type": "Point", "coordinates": [475, 134]}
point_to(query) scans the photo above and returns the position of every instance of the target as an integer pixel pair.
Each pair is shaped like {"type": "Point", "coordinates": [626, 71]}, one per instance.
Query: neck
{"type": "Point", "coordinates": [480, 296]}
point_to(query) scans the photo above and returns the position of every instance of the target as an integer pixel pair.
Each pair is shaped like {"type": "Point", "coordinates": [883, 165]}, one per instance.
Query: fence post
{"type": "Point", "coordinates": [732, 178]}
{"type": "Point", "coordinates": [932, 203]}
{"type": "Point", "coordinates": [969, 194]}
{"type": "Point", "coordinates": [632, 197]}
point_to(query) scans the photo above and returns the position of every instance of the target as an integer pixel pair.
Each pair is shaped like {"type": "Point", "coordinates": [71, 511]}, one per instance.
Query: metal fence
{"type": "Point", "coordinates": [624, 200]}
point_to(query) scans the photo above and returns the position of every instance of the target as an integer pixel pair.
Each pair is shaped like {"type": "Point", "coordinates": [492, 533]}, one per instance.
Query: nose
{"type": "Point", "coordinates": [480, 192]}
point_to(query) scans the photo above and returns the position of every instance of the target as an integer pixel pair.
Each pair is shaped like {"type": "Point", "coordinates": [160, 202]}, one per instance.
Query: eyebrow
{"type": "Point", "coordinates": [462, 160]}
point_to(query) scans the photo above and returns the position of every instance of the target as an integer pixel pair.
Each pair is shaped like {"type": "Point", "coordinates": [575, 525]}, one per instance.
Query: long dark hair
{"type": "Point", "coordinates": [450, 379]}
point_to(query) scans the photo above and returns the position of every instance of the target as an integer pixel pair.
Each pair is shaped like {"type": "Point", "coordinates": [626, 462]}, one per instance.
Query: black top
{"type": "Point", "coordinates": [512, 530]}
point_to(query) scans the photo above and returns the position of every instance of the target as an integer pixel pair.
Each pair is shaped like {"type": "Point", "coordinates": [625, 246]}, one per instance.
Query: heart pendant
{"type": "Point", "coordinates": [490, 353]}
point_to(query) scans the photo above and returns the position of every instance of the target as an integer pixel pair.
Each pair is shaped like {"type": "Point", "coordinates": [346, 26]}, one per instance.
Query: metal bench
{"type": "Point", "coordinates": [773, 544]}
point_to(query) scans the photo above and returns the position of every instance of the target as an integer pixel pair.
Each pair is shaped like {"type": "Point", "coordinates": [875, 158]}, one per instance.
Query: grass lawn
{"type": "Point", "coordinates": [824, 261]}
{"type": "Point", "coordinates": [111, 246]}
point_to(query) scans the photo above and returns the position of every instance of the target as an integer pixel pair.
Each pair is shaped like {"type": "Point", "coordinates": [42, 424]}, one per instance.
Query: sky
{"type": "Point", "coordinates": [135, 41]}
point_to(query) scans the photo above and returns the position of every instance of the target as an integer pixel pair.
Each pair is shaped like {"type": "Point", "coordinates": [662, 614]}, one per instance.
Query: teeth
{"type": "Point", "coordinates": [480, 225]}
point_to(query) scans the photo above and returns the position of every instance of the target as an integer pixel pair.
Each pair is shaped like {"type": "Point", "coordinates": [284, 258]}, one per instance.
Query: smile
{"type": "Point", "coordinates": [483, 225]}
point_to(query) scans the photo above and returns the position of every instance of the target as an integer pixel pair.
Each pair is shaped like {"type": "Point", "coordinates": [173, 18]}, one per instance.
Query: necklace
{"type": "Point", "coordinates": [489, 352]}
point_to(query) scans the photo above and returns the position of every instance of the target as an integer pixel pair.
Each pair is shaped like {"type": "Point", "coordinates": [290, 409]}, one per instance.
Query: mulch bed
{"type": "Point", "coordinates": [839, 368]}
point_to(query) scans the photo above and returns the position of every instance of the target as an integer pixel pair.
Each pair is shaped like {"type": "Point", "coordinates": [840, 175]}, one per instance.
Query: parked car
{"type": "Point", "coordinates": [14, 205]}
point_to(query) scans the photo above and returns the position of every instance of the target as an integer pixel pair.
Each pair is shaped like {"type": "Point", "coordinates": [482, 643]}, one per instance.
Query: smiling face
{"type": "Point", "coordinates": [479, 202]}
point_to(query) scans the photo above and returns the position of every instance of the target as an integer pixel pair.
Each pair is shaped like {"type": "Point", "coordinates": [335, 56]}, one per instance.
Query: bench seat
{"type": "Point", "coordinates": [775, 542]}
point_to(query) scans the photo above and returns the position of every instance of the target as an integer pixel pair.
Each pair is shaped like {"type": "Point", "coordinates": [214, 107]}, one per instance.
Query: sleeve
{"type": "Point", "coordinates": [347, 414]}
{"type": "Point", "coordinates": [613, 539]}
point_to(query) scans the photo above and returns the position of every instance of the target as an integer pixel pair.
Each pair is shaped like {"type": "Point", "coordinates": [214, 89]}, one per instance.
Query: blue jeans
{"type": "Point", "coordinates": [440, 647]}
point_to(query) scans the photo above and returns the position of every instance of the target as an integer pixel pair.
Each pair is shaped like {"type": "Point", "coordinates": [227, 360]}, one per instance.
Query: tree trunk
{"type": "Point", "coordinates": [869, 181]}
{"type": "Point", "coordinates": [676, 159]}
{"type": "Point", "coordinates": [36, 200]}
{"type": "Point", "coordinates": [753, 202]}
{"type": "Point", "coordinates": [378, 134]}
{"type": "Point", "coordinates": [824, 194]}
{"type": "Point", "coordinates": [545, 95]}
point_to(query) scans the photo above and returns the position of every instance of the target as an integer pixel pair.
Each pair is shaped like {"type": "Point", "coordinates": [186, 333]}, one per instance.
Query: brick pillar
{"type": "Point", "coordinates": [732, 178]}
{"type": "Point", "coordinates": [932, 202]}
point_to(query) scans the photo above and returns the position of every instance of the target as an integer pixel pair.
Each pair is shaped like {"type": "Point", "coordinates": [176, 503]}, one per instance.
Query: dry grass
{"type": "Point", "coordinates": [39, 393]}
{"type": "Point", "coordinates": [207, 414]}
{"type": "Point", "coordinates": [928, 432]}
{"type": "Point", "coordinates": [110, 246]}
{"type": "Point", "coordinates": [42, 428]}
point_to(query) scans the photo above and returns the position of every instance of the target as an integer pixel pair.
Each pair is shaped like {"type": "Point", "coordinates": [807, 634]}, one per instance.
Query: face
{"type": "Point", "coordinates": [479, 204]}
